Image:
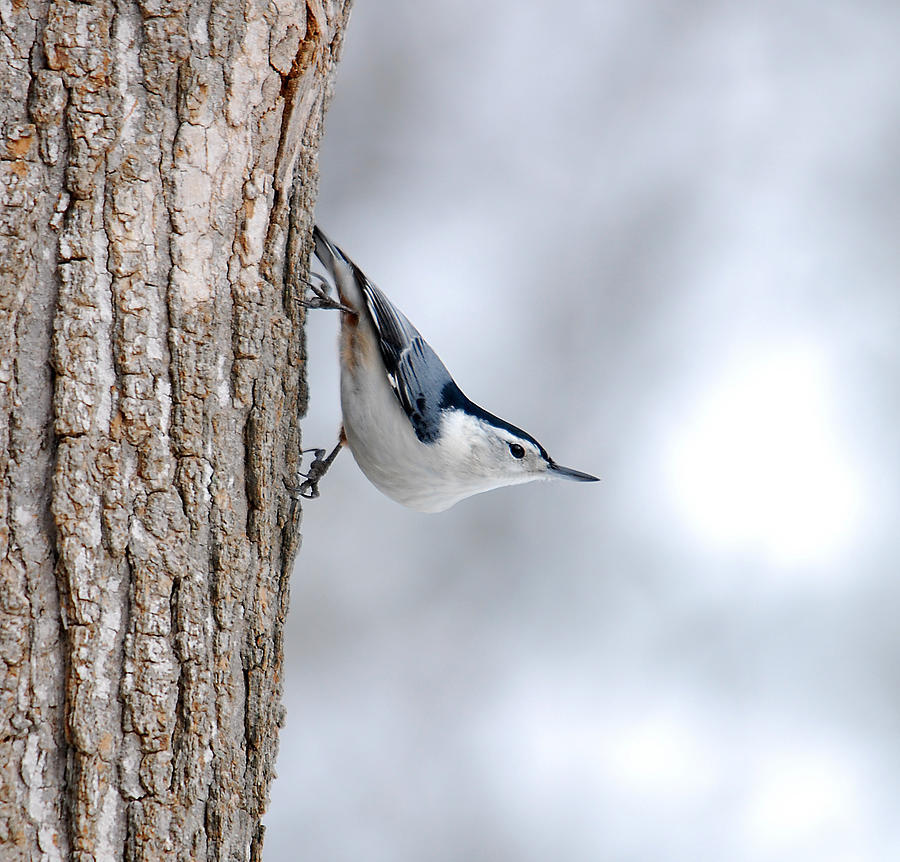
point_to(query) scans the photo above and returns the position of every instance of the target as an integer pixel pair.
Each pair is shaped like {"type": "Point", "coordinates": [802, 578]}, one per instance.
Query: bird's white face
{"type": "Point", "coordinates": [482, 455]}
{"type": "Point", "coordinates": [511, 458]}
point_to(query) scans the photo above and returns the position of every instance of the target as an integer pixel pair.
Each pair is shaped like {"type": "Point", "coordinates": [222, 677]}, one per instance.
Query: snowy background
{"type": "Point", "coordinates": [665, 239]}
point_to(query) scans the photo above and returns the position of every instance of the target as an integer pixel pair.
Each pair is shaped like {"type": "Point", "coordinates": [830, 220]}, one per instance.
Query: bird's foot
{"type": "Point", "coordinates": [309, 489]}
{"type": "Point", "coordinates": [320, 297]}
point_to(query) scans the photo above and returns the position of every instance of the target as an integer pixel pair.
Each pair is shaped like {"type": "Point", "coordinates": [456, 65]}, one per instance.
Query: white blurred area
{"type": "Point", "coordinates": [760, 463]}
{"type": "Point", "coordinates": [665, 239]}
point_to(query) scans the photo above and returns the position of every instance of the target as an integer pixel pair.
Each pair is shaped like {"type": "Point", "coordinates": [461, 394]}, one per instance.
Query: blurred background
{"type": "Point", "coordinates": [663, 238]}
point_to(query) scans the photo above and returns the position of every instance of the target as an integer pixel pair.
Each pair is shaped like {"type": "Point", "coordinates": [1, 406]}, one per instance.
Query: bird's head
{"type": "Point", "coordinates": [492, 453]}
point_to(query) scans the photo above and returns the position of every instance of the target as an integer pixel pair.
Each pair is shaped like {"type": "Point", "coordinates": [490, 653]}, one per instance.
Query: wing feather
{"type": "Point", "coordinates": [416, 374]}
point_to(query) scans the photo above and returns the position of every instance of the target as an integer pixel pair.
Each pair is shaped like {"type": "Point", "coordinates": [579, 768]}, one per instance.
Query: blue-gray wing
{"type": "Point", "coordinates": [417, 376]}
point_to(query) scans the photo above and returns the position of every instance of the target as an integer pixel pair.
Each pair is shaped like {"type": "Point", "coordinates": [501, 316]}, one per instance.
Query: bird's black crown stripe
{"type": "Point", "coordinates": [453, 398]}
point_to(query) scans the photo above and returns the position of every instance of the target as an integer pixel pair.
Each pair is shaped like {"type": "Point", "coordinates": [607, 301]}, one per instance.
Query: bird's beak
{"type": "Point", "coordinates": [569, 473]}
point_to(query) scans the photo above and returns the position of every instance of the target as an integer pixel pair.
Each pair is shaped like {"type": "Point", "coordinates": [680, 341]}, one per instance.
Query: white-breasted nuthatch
{"type": "Point", "coordinates": [412, 431]}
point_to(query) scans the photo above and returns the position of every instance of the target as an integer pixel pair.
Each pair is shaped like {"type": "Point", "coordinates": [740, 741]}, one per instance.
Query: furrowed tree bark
{"type": "Point", "coordinates": [157, 173]}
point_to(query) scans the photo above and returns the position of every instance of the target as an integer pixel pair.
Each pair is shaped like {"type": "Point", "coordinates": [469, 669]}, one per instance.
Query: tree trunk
{"type": "Point", "coordinates": [158, 165]}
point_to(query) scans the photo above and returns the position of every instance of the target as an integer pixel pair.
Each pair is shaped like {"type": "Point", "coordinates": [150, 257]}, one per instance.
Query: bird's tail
{"type": "Point", "coordinates": [344, 273]}
{"type": "Point", "coordinates": [326, 250]}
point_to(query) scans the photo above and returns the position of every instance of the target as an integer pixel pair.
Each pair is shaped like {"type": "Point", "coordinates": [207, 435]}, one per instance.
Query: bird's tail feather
{"type": "Point", "coordinates": [326, 250]}
{"type": "Point", "coordinates": [347, 277]}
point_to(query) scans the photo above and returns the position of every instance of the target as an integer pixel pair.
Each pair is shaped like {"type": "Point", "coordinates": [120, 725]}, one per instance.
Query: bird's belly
{"type": "Point", "coordinates": [385, 446]}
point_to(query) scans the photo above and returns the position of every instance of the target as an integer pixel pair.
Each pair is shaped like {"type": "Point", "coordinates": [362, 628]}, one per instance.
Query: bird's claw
{"type": "Point", "coordinates": [324, 302]}
{"type": "Point", "coordinates": [309, 489]}
{"type": "Point", "coordinates": [320, 298]}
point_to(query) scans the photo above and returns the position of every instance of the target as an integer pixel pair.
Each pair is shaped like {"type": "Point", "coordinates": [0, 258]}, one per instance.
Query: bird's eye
{"type": "Point", "coordinates": [516, 450]}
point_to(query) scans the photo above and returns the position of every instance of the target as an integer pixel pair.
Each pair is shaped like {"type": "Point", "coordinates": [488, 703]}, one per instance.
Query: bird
{"type": "Point", "coordinates": [410, 428]}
